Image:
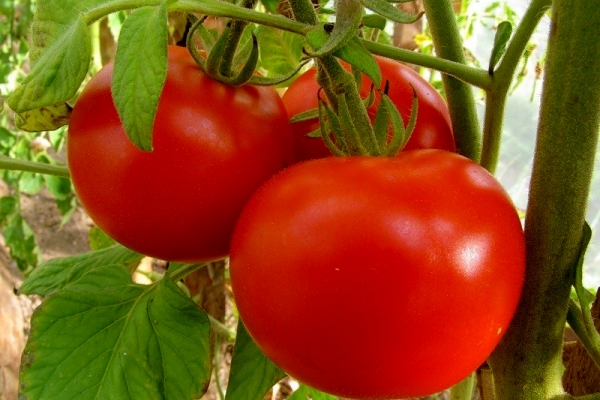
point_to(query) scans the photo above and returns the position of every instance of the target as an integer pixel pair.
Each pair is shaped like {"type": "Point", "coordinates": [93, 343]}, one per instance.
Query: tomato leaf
{"type": "Point", "coordinates": [104, 337]}
{"type": "Point", "coordinates": [140, 71]}
{"type": "Point", "coordinates": [582, 295]}
{"type": "Point", "coordinates": [305, 392]}
{"type": "Point", "coordinates": [270, 5]}
{"type": "Point", "coordinates": [252, 373]}
{"type": "Point", "coordinates": [280, 51]}
{"type": "Point", "coordinates": [355, 54]}
{"type": "Point", "coordinates": [47, 118]}
{"type": "Point", "coordinates": [57, 73]}
{"type": "Point", "coordinates": [349, 17]}
{"type": "Point", "coordinates": [389, 11]}
{"type": "Point", "coordinates": [56, 273]}
{"type": "Point", "coordinates": [374, 21]}
{"type": "Point", "coordinates": [501, 39]}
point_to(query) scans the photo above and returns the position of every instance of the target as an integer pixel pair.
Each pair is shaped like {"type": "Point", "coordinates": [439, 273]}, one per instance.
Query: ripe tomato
{"type": "Point", "coordinates": [213, 146]}
{"type": "Point", "coordinates": [379, 277]}
{"type": "Point", "coordinates": [433, 129]}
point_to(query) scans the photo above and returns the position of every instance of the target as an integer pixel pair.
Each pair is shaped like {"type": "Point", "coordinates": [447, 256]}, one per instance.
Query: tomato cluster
{"type": "Point", "coordinates": [363, 277]}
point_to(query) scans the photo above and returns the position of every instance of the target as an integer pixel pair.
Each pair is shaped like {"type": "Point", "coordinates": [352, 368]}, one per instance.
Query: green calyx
{"type": "Point", "coordinates": [232, 57]}
{"type": "Point", "coordinates": [345, 125]}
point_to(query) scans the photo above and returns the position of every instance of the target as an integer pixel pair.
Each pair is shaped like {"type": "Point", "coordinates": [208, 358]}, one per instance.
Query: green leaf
{"type": "Point", "coordinates": [31, 183]}
{"type": "Point", "coordinates": [140, 71]}
{"type": "Point", "coordinates": [280, 51]}
{"type": "Point", "coordinates": [56, 273]}
{"type": "Point", "coordinates": [99, 240]}
{"type": "Point", "coordinates": [252, 374]}
{"type": "Point", "coordinates": [387, 10]}
{"type": "Point", "coordinates": [305, 393]}
{"type": "Point", "coordinates": [20, 240]}
{"type": "Point", "coordinates": [59, 187]}
{"type": "Point", "coordinates": [500, 41]}
{"type": "Point", "coordinates": [57, 73]}
{"type": "Point", "coordinates": [355, 54]}
{"type": "Point", "coordinates": [270, 5]}
{"type": "Point", "coordinates": [584, 300]}
{"type": "Point", "coordinates": [7, 139]}
{"type": "Point", "coordinates": [374, 21]}
{"type": "Point", "coordinates": [104, 337]}
{"type": "Point", "coordinates": [349, 18]}
{"type": "Point", "coordinates": [8, 205]}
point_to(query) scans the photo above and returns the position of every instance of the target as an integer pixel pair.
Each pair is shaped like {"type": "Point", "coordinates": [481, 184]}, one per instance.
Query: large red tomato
{"type": "Point", "coordinates": [213, 146]}
{"type": "Point", "coordinates": [433, 129]}
{"type": "Point", "coordinates": [379, 277]}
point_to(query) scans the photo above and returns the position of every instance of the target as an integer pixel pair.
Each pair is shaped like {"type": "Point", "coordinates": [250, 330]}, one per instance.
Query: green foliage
{"type": "Point", "coordinates": [15, 20]}
{"type": "Point", "coordinates": [280, 51]}
{"type": "Point", "coordinates": [140, 71]}
{"type": "Point", "coordinates": [55, 274]}
{"type": "Point", "coordinates": [103, 337]}
{"type": "Point", "coordinates": [305, 393]}
{"type": "Point", "coordinates": [252, 373]}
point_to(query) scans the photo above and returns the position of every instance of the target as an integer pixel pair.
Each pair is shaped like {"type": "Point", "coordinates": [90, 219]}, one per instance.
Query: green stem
{"type": "Point", "coordinates": [503, 76]}
{"type": "Point", "coordinates": [461, 102]}
{"type": "Point", "coordinates": [464, 389]}
{"type": "Point", "coordinates": [304, 11]}
{"type": "Point", "coordinates": [527, 364]}
{"type": "Point", "coordinates": [595, 396]}
{"type": "Point", "coordinates": [184, 271]}
{"type": "Point", "coordinates": [591, 343]}
{"type": "Point", "coordinates": [222, 329]}
{"type": "Point", "coordinates": [32, 166]}
{"type": "Point", "coordinates": [215, 8]}
{"type": "Point", "coordinates": [473, 76]}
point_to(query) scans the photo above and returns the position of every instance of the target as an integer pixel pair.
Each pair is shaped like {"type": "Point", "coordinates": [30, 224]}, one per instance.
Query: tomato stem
{"type": "Point", "coordinates": [528, 362]}
{"type": "Point", "coordinates": [461, 102]}
{"type": "Point", "coordinates": [576, 320]}
{"type": "Point", "coordinates": [13, 164]}
{"type": "Point", "coordinates": [475, 76]}
{"type": "Point", "coordinates": [464, 389]}
{"type": "Point", "coordinates": [501, 80]}
{"type": "Point", "coordinates": [304, 11]}
{"type": "Point", "coordinates": [215, 8]}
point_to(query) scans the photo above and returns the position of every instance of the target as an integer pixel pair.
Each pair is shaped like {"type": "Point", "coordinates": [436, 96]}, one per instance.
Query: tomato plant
{"type": "Point", "coordinates": [433, 129]}
{"type": "Point", "coordinates": [213, 145]}
{"type": "Point", "coordinates": [387, 277]}
{"type": "Point", "coordinates": [379, 277]}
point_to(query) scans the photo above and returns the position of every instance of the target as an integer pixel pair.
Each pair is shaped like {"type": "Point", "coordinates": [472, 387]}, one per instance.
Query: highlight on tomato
{"type": "Point", "coordinates": [369, 277]}
{"type": "Point", "coordinates": [213, 146]}
{"type": "Point", "coordinates": [433, 129]}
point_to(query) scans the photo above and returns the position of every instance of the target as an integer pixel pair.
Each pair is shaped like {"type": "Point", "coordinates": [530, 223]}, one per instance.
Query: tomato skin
{"type": "Point", "coordinates": [379, 277]}
{"type": "Point", "coordinates": [433, 129]}
{"type": "Point", "coordinates": [213, 146]}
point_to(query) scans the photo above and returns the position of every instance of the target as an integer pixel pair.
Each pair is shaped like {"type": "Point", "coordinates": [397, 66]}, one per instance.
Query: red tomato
{"type": "Point", "coordinates": [433, 129]}
{"type": "Point", "coordinates": [213, 146]}
{"type": "Point", "coordinates": [379, 277]}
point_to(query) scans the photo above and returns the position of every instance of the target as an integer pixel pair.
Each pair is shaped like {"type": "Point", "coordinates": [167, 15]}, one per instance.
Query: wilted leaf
{"type": "Point", "coordinates": [46, 118]}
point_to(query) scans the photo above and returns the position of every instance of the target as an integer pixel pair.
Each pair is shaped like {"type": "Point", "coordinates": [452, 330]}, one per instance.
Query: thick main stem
{"type": "Point", "coordinates": [461, 102]}
{"type": "Point", "coordinates": [497, 93]}
{"type": "Point", "coordinates": [527, 363]}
